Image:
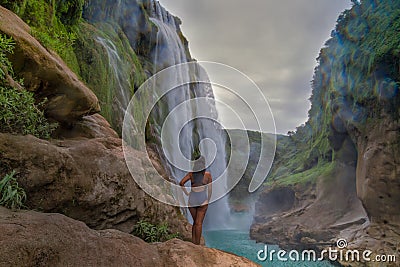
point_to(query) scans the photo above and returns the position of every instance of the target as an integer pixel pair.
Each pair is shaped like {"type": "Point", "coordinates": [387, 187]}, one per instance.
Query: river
{"type": "Point", "coordinates": [237, 241]}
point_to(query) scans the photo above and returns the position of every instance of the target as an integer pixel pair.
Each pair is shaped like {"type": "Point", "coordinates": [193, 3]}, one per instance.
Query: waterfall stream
{"type": "Point", "coordinates": [171, 51]}
{"type": "Point", "coordinates": [122, 85]}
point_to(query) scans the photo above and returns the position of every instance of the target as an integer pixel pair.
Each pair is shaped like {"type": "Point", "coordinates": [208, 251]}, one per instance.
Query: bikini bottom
{"type": "Point", "coordinates": [197, 198]}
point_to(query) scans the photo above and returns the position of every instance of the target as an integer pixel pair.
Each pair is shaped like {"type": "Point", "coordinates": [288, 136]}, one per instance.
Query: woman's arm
{"type": "Point", "coordinates": [183, 182]}
{"type": "Point", "coordinates": [209, 183]}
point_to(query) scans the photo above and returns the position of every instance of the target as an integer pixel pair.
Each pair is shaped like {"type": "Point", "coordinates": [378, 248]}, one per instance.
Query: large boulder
{"type": "Point", "coordinates": [86, 178]}
{"type": "Point", "coordinates": [29, 238]}
{"type": "Point", "coordinates": [46, 74]}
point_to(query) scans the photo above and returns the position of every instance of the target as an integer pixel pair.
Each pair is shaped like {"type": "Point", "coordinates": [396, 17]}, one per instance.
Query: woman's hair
{"type": "Point", "coordinates": [199, 164]}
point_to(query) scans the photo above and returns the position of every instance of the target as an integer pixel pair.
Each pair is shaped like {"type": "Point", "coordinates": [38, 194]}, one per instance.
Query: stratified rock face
{"type": "Point", "coordinates": [378, 187]}
{"type": "Point", "coordinates": [29, 238]}
{"type": "Point", "coordinates": [357, 201]}
{"type": "Point", "coordinates": [46, 74]}
{"type": "Point", "coordinates": [279, 200]}
{"type": "Point", "coordinates": [86, 179]}
{"type": "Point", "coordinates": [378, 170]}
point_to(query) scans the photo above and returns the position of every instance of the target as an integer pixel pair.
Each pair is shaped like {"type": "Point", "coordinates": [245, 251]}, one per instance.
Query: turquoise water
{"type": "Point", "coordinates": [239, 243]}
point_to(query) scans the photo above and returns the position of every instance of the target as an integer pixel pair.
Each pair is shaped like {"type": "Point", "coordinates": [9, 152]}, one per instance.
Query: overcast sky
{"type": "Point", "coordinates": [275, 43]}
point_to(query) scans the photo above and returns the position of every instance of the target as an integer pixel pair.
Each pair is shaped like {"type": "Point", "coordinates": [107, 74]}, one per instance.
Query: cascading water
{"type": "Point", "coordinates": [166, 48]}
{"type": "Point", "coordinates": [121, 78]}
{"type": "Point", "coordinates": [171, 51]}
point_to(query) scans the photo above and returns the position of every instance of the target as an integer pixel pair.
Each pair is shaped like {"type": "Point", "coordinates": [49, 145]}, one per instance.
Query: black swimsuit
{"type": "Point", "coordinates": [197, 198]}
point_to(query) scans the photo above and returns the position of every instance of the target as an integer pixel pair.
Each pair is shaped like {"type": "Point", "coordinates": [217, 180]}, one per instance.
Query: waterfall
{"type": "Point", "coordinates": [166, 48]}
{"type": "Point", "coordinates": [122, 85]}
{"type": "Point", "coordinates": [171, 51]}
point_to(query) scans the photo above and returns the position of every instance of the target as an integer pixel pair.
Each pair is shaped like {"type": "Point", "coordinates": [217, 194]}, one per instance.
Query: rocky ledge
{"type": "Point", "coordinates": [29, 238]}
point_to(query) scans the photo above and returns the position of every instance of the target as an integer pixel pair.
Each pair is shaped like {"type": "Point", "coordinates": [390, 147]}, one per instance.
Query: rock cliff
{"type": "Point", "coordinates": [338, 175]}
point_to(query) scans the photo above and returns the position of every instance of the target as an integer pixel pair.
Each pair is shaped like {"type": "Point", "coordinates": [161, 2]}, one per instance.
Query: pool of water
{"type": "Point", "coordinates": [239, 243]}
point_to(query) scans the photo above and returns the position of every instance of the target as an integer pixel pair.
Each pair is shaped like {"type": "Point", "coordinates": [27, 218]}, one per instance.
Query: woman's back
{"type": "Point", "coordinates": [198, 178]}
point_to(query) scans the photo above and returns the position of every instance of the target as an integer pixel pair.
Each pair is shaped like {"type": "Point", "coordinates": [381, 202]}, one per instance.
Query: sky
{"type": "Point", "coordinates": [274, 43]}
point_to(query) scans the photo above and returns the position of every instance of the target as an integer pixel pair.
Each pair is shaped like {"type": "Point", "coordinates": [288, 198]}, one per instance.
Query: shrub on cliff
{"type": "Point", "coordinates": [18, 112]}
{"type": "Point", "coordinates": [12, 196]}
{"type": "Point", "coordinates": [153, 233]}
{"type": "Point", "coordinates": [6, 46]}
{"type": "Point", "coordinates": [20, 115]}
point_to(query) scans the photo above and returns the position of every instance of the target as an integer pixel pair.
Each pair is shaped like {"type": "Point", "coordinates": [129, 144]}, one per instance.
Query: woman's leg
{"type": "Point", "coordinates": [198, 223]}
{"type": "Point", "coordinates": [193, 212]}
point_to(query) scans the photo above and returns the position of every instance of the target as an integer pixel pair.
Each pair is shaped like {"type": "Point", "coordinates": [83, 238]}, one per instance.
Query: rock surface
{"type": "Point", "coordinates": [378, 187]}
{"type": "Point", "coordinates": [29, 238]}
{"type": "Point", "coordinates": [378, 171]}
{"type": "Point", "coordinates": [46, 74]}
{"type": "Point", "coordinates": [358, 201]}
{"type": "Point", "coordinates": [311, 216]}
{"type": "Point", "coordinates": [86, 179]}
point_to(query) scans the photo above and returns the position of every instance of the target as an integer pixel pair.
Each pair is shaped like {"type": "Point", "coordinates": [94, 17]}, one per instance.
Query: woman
{"type": "Point", "coordinates": [200, 195]}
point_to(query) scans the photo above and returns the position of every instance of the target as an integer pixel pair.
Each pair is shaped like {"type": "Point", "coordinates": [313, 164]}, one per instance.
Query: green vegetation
{"type": "Point", "coordinates": [6, 47]}
{"type": "Point", "coordinates": [358, 72]}
{"type": "Point", "coordinates": [153, 233]}
{"type": "Point", "coordinates": [97, 72]}
{"type": "Point", "coordinates": [240, 197]}
{"type": "Point", "coordinates": [53, 23]}
{"type": "Point", "coordinates": [307, 176]}
{"type": "Point", "coordinates": [12, 196]}
{"type": "Point", "coordinates": [358, 77]}
{"type": "Point", "coordinates": [19, 114]}
{"type": "Point", "coordinates": [59, 26]}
